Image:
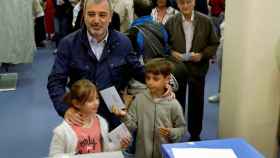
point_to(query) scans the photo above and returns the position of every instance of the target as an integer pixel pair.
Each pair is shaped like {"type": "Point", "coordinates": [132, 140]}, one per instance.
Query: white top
{"type": "Point", "coordinates": [188, 30]}
{"type": "Point", "coordinates": [125, 10]}
{"type": "Point", "coordinates": [76, 11]}
{"type": "Point", "coordinates": [37, 9]}
{"type": "Point", "coordinates": [169, 13]}
{"type": "Point", "coordinates": [64, 141]}
{"type": "Point", "coordinates": [97, 47]}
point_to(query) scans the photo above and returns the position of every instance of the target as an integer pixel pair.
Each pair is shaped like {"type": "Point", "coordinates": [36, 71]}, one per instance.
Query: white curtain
{"type": "Point", "coordinates": [16, 31]}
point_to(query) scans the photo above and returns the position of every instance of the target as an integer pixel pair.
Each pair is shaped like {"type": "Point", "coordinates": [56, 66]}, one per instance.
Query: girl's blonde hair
{"type": "Point", "coordinates": [80, 92]}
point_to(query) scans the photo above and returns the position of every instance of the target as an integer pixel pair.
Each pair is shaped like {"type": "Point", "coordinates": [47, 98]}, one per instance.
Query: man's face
{"type": "Point", "coordinates": [161, 3]}
{"type": "Point", "coordinates": [97, 19]}
{"type": "Point", "coordinates": [186, 6]}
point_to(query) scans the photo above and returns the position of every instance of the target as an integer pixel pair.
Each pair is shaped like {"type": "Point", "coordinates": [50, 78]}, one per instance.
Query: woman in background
{"type": "Point", "coordinates": [162, 11]}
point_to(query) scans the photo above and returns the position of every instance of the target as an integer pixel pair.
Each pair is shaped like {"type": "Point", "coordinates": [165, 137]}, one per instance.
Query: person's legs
{"type": "Point", "coordinates": [39, 30]}
{"type": "Point", "coordinates": [181, 74]}
{"type": "Point", "coordinates": [219, 57]}
{"type": "Point", "coordinates": [65, 25]}
{"type": "Point", "coordinates": [57, 30]}
{"type": "Point", "coordinates": [181, 94]}
{"type": "Point", "coordinates": [195, 107]}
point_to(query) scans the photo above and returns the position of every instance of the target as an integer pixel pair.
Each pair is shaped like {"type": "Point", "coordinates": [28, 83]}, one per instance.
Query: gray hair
{"type": "Point", "coordinates": [97, 2]}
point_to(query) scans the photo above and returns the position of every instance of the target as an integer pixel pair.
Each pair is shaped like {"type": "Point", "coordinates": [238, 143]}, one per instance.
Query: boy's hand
{"type": "Point", "coordinates": [125, 142]}
{"type": "Point", "coordinates": [119, 112]}
{"type": "Point", "coordinates": [127, 98]}
{"type": "Point", "coordinates": [165, 132]}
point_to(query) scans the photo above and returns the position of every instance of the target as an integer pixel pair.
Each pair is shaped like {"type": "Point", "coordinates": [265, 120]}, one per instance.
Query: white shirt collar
{"type": "Point", "coordinates": [92, 40]}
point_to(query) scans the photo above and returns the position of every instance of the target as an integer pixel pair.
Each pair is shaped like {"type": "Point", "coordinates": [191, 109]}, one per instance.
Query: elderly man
{"type": "Point", "coordinates": [193, 42]}
{"type": "Point", "coordinates": [97, 53]}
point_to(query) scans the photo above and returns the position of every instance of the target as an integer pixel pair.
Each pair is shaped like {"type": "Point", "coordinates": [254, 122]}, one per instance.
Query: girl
{"type": "Point", "coordinates": [69, 139]}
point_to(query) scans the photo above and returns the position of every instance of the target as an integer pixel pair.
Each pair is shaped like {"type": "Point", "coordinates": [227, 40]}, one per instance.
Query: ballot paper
{"type": "Point", "coordinates": [118, 133]}
{"type": "Point", "coordinates": [111, 97]}
{"type": "Point", "coordinates": [187, 56]}
{"type": "Point", "coordinates": [202, 153]}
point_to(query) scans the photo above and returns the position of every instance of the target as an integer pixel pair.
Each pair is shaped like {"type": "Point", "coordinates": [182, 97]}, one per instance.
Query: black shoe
{"type": "Point", "coordinates": [194, 139]}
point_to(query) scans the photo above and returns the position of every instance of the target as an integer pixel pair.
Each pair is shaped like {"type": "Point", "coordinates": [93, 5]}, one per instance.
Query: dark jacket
{"type": "Point", "coordinates": [149, 39]}
{"type": "Point", "coordinates": [201, 6]}
{"type": "Point", "coordinates": [204, 41]}
{"type": "Point", "coordinates": [63, 11]}
{"type": "Point", "coordinates": [75, 60]}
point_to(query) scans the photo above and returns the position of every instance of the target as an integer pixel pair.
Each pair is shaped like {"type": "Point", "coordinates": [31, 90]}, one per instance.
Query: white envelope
{"type": "Point", "coordinates": [111, 97]}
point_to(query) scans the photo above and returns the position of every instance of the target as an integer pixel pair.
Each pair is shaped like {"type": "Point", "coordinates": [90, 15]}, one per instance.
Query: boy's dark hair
{"type": "Point", "coordinates": [159, 66]}
{"type": "Point", "coordinates": [142, 8]}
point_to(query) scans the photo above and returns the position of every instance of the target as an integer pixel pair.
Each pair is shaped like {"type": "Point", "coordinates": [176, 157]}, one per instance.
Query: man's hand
{"type": "Point", "coordinates": [119, 112]}
{"type": "Point", "coordinates": [196, 57]}
{"type": "Point", "coordinates": [165, 132]}
{"type": "Point", "coordinates": [73, 117]}
{"type": "Point", "coordinates": [178, 56]}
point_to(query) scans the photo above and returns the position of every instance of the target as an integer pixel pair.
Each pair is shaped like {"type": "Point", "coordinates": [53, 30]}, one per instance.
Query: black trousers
{"type": "Point", "coordinates": [195, 103]}
{"type": "Point", "coordinates": [39, 30]}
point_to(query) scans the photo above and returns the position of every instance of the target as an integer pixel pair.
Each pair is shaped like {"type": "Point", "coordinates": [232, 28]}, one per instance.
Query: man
{"type": "Point", "coordinates": [39, 27]}
{"type": "Point", "coordinates": [97, 53]}
{"type": "Point", "coordinates": [63, 19]}
{"type": "Point", "coordinates": [193, 42]}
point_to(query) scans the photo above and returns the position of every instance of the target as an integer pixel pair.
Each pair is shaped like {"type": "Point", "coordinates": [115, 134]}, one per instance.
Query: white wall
{"type": "Point", "coordinates": [250, 92]}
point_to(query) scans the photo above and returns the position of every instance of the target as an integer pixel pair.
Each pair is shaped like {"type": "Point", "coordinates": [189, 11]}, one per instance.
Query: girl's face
{"type": "Point", "coordinates": [90, 107]}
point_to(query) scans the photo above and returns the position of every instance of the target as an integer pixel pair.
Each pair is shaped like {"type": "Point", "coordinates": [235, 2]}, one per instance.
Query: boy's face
{"type": "Point", "coordinates": [156, 83]}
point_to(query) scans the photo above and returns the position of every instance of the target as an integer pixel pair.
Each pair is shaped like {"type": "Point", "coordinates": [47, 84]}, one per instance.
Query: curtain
{"type": "Point", "coordinates": [16, 31]}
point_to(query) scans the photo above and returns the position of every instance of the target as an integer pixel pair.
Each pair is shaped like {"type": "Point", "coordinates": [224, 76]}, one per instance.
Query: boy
{"type": "Point", "coordinates": [157, 119]}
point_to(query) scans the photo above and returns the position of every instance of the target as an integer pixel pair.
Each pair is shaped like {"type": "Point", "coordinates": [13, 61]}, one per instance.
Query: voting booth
{"type": "Point", "coordinates": [220, 148]}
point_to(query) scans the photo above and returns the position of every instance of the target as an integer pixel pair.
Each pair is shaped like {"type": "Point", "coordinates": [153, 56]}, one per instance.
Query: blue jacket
{"type": "Point", "coordinates": [75, 60]}
{"type": "Point", "coordinates": [140, 39]}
